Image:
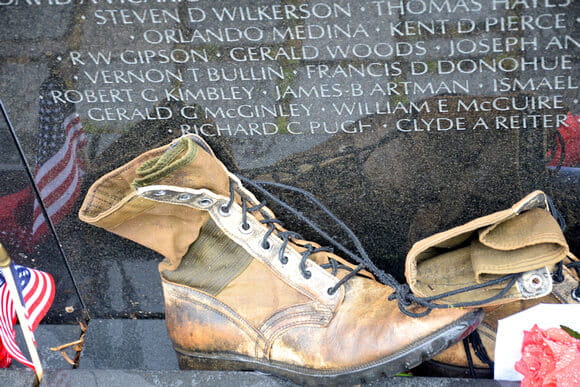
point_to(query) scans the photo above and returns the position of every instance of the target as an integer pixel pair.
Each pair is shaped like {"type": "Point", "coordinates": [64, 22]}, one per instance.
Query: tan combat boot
{"type": "Point", "coordinates": [522, 254]}
{"type": "Point", "coordinates": [243, 293]}
{"type": "Point", "coordinates": [474, 357]}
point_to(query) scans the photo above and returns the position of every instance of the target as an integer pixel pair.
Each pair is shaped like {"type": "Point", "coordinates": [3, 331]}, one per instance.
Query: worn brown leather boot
{"type": "Point", "coordinates": [243, 293]}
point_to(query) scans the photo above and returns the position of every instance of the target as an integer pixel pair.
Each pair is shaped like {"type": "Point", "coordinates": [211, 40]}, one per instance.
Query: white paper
{"type": "Point", "coordinates": [510, 333]}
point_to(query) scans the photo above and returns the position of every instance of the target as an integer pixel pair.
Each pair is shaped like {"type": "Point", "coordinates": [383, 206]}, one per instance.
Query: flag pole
{"type": "Point", "coordinates": [5, 265]}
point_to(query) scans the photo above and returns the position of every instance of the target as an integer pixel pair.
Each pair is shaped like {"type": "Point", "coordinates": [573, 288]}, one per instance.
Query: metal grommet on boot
{"type": "Point", "coordinates": [184, 197]}
{"type": "Point", "coordinates": [576, 294]}
{"type": "Point", "coordinates": [535, 283]}
{"type": "Point", "coordinates": [224, 211]}
{"type": "Point", "coordinates": [204, 202]}
{"type": "Point", "coordinates": [245, 228]}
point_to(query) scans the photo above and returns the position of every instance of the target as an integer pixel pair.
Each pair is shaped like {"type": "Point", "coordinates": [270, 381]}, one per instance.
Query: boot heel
{"type": "Point", "coordinates": [189, 362]}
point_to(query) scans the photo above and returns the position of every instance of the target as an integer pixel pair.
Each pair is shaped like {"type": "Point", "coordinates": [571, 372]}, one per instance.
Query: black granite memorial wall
{"type": "Point", "coordinates": [405, 117]}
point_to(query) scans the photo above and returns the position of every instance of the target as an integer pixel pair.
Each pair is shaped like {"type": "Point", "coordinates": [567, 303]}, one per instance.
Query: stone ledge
{"type": "Point", "coordinates": [139, 353]}
{"type": "Point", "coordinates": [90, 378]}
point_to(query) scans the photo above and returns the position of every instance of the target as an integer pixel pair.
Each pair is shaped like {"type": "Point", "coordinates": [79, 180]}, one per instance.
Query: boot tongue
{"type": "Point", "coordinates": [175, 157]}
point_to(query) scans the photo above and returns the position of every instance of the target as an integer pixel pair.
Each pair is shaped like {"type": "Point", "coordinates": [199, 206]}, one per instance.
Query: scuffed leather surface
{"type": "Point", "coordinates": [257, 294]}
{"type": "Point", "coordinates": [198, 322]}
{"type": "Point", "coordinates": [366, 327]}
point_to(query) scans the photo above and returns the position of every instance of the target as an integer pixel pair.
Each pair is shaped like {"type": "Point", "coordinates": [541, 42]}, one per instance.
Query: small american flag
{"type": "Point", "coordinates": [59, 167]}
{"type": "Point", "coordinates": [37, 289]}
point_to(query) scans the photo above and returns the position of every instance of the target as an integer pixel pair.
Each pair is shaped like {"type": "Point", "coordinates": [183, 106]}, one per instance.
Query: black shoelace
{"type": "Point", "coordinates": [558, 277]}
{"type": "Point", "coordinates": [402, 293]}
{"type": "Point", "coordinates": [474, 340]}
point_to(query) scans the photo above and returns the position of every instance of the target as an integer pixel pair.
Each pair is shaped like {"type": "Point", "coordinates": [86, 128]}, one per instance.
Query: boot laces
{"type": "Point", "coordinates": [285, 235]}
{"type": "Point", "coordinates": [474, 340]}
{"type": "Point", "coordinates": [558, 275]}
{"type": "Point", "coordinates": [402, 292]}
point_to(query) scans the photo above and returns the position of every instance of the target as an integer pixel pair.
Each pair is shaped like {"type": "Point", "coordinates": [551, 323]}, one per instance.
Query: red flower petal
{"type": "Point", "coordinates": [549, 358]}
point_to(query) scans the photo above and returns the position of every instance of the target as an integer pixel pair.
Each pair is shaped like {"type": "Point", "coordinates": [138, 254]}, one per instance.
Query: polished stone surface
{"type": "Point", "coordinates": [41, 250]}
{"type": "Point", "coordinates": [128, 344]}
{"type": "Point", "coordinates": [404, 117]}
{"type": "Point", "coordinates": [52, 336]}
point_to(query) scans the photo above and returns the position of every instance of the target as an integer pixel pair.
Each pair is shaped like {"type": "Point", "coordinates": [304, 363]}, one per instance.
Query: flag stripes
{"type": "Point", "coordinates": [38, 290]}
{"type": "Point", "coordinates": [59, 178]}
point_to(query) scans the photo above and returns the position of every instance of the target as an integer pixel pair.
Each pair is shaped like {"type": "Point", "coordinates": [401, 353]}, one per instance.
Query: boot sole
{"type": "Point", "coordinates": [391, 365]}
{"type": "Point", "coordinates": [435, 368]}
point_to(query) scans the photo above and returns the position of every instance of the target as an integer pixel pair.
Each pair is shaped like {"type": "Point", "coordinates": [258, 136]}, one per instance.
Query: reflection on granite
{"type": "Point", "coordinates": [41, 250]}
{"type": "Point", "coordinates": [372, 124]}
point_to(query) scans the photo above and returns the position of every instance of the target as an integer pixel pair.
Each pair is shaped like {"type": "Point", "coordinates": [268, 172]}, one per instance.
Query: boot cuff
{"type": "Point", "coordinates": [522, 239]}
{"type": "Point", "coordinates": [112, 202]}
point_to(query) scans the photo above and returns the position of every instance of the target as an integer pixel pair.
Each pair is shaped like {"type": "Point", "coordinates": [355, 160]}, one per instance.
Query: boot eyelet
{"type": "Point", "coordinates": [576, 294]}
{"type": "Point", "coordinates": [184, 197]}
{"type": "Point", "coordinates": [224, 211]}
{"type": "Point", "coordinates": [266, 245]}
{"type": "Point", "coordinates": [284, 260]}
{"type": "Point", "coordinates": [535, 282]}
{"type": "Point", "coordinates": [159, 193]}
{"type": "Point", "coordinates": [205, 202]}
{"type": "Point", "coordinates": [245, 228]}
{"type": "Point", "coordinates": [306, 274]}
{"type": "Point", "coordinates": [331, 291]}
